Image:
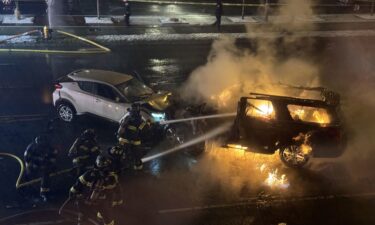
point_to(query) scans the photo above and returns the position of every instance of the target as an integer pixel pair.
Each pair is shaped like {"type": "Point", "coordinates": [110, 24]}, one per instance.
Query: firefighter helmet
{"type": "Point", "coordinates": [115, 150]}
{"type": "Point", "coordinates": [89, 134]}
{"type": "Point", "coordinates": [102, 162]}
{"type": "Point", "coordinates": [135, 109]}
{"type": "Point", "coordinates": [41, 140]}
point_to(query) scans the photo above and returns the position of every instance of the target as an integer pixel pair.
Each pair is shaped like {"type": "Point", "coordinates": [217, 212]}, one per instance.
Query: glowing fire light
{"type": "Point", "coordinates": [266, 109]}
{"type": "Point", "coordinates": [309, 114]}
{"type": "Point", "coordinates": [228, 97]}
{"type": "Point", "coordinates": [262, 167]}
{"type": "Point", "coordinates": [274, 180]}
{"type": "Point", "coordinates": [321, 117]}
{"type": "Point", "coordinates": [239, 147]}
{"type": "Point", "coordinates": [245, 166]}
{"type": "Point", "coordinates": [306, 149]}
{"type": "Point", "coordinates": [261, 109]}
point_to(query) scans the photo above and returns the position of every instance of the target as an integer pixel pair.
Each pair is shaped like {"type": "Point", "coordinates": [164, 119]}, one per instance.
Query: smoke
{"type": "Point", "coordinates": [348, 69]}
{"type": "Point", "coordinates": [360, 116]}
{"type": "Point", "coordinates": [353, 63]}
{"type": "Point", "coordinates": [294, 15]}
{"type": "Point", "coordinates": [232, 71]}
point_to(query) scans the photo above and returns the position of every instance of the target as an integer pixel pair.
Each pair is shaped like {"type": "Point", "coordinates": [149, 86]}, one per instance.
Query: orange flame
{"type": "Point", "coordinates": [274, 180]}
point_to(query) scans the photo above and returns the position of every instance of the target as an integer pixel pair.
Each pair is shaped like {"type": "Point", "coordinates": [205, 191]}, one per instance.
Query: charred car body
{"type": "Point", "coordinates": [299, 128]}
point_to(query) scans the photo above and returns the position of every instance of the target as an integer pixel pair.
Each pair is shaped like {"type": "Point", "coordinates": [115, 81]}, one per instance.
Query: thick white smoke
{"type": "Point", "coordinates": [232, 71]}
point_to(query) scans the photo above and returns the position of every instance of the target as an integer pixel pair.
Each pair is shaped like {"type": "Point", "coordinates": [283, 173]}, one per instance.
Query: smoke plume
{"type": "Point", "coordinates": [355, 79]}
{"type": "Point", "coordinates": [232, 70]}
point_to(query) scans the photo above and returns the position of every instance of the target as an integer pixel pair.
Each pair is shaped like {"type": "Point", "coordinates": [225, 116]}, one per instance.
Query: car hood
{"type": "Point", "coordinates": [159, 101]}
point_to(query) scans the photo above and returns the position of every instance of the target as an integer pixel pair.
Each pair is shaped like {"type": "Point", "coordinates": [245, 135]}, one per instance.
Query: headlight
{"type": "Point", "coordinates": [158, 117]}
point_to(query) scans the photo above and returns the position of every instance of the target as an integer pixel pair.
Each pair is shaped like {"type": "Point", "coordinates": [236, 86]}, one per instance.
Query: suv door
{"type": "Point", "coordinates": [85, 97]}
{"type": "Point", "coordinates": [108, 103]}
{"type": "Point", "coordinates": [257, 125]}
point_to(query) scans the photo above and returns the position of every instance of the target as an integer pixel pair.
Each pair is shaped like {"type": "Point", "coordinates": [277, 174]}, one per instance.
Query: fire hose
{"type": "Point", "coordinates": [22, 171]}
{"type": "Point", "coordinates": [63, 205]}
{"type": "Point", "coordinates": [213, 133]}
{"type": "Point", "coordinates": [99, 48]}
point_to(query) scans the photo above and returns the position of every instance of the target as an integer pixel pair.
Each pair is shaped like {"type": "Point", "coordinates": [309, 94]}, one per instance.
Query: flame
{"type": "Point", "coordinates": [299, 113]}
{"type": "Point", "coordinates": [238, 167]}
{"type": "Point", "coordinates": [224, 98]}
{"type": "Point", "coordinates": [309, 114]}
{"type": "Point", "coordinates": [274, 180]}
{"type": "Point", "coordinates": [239, 147]}
{"type": "Point", "coordinates": [306, 149]}
{"type": "Point", "coordinates": [262, 167]}
{"type": "Point", "coordinates": [228, 97]}
{"type": "Point", "coordinates": [262, 109]}
{"type": "Point", "coordinates": [321, 117]}
{"type": "Point", "coordinates": [266, 109]}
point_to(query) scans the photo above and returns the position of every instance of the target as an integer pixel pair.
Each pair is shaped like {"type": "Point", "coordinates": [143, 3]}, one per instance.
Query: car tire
{"type": "Point", "coordinates": [66, 112]}
{"type": "Point", "coordinates": [293, 157]}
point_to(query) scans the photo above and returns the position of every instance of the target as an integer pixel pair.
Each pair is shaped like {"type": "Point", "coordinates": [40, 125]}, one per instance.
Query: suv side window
{"type": "Point", "coordinates": [309, 114]}
{"type": "Point", "coordinates": [108, 92]}
{"type": "Point", "coordinates": [87, 86]}
{"type": "Point", "coordinates": [261, 109]}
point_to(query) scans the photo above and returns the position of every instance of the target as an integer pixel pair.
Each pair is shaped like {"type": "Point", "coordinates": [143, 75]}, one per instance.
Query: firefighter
{"type": "Point", "coordinates": [40, 159]}
{"type": "Point", "coordinates": [97, 191]}
{"type": "Point", "coordinates": [130, 133]}
{"type": "Point", "coordinates": [127, 12]}
{"type": "Point", "coordinates": [218, 14]}
{"type": "Point", "coordinates": [118, 156]}
{"type": "Point", "coordinates": [84, 151]}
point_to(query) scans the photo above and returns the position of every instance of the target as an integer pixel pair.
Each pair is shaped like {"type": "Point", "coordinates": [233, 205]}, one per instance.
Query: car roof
{"type": "Point", "coordinates": [289, 100]}
{"type": "Point", "coordinates": [110, 77]}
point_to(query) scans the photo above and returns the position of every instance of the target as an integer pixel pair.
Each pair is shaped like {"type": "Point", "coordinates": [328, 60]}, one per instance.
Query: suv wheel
{"type": "Point", "coordinates": [293, 156]}
{"type": "Point", "coordinates": [66, 112]}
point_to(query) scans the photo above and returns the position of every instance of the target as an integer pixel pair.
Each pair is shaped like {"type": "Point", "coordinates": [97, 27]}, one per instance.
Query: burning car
{"type": "Point", "coordinates": [299, 128]}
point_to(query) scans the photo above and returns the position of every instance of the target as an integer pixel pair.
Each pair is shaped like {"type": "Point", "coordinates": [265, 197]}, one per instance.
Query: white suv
{"type": "Point", "coordinates": [106, 94]}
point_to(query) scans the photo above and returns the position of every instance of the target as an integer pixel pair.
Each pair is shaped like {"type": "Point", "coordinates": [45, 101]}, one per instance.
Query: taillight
{"type": "Point", "coordinates": [58, 86]}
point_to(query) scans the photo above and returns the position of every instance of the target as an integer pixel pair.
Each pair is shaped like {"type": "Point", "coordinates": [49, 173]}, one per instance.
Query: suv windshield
{"type": "Point", "coordinates": [134, 90]}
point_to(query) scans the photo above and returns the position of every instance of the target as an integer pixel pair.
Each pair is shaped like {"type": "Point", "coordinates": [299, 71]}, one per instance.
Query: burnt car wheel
{"type": "Point", "coordinates": [293, 156]}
